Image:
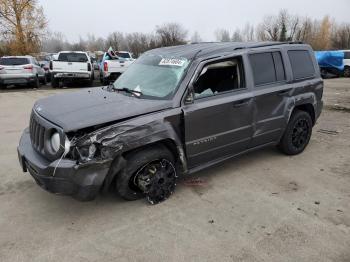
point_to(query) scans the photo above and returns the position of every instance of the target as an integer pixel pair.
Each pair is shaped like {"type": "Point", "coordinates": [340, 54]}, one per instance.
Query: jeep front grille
{"type": "Point", "coordinates": [37, 133]}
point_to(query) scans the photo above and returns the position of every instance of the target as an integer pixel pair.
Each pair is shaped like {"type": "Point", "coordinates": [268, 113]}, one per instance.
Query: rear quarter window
{"type": "Point", "coordinates": [302, 65]}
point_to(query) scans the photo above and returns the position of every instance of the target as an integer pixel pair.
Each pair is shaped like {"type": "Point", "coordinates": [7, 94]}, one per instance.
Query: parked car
{"type": "Point", "coordinates": [71, 66]}
{"type": "Point", "coordinates": [331, 63]}
{"type": "Point", "coordinates": [346, 63]}
{"type": "Point", "coordinates": [46, 66]}
{"type": "Point", "coordinates": [175, 111]}
{"type": "Point", "coordinates": [21, 70]}
{"type": "Point", "coordinates": [112, 67]}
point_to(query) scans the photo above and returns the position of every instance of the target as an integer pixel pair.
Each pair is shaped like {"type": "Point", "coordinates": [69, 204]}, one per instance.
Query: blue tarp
{"type": "Point", "coordinates": [330, 59]}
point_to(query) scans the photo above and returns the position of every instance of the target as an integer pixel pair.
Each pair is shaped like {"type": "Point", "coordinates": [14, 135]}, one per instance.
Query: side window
{"type": "Point", "coordinates": [347, 55]}
{"type": "Point", "coordinates": [267, 68]}
{"type": "Point", "coordinates": [219, 77]}
{"type": "Point", "coordinates": [302, 65]}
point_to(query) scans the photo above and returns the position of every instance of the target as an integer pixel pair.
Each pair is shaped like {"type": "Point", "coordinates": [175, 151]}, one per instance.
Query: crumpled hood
{"type": "Point", "coordinates": [94, 106]}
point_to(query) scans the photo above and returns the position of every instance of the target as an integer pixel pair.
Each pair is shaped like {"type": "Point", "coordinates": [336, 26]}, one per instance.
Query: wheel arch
{"type": "Point", "coordinates": [308, 108]}
{"type": "Point", "coordinates": [120, 161]}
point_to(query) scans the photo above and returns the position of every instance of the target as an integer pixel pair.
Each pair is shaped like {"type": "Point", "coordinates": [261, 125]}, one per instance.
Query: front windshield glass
{"type": "Point", "coordinates": [155, 76]}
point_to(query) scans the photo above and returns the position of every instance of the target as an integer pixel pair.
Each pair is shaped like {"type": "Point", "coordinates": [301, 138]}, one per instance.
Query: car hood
{"type": "Point", "coordinates": [94, 106]}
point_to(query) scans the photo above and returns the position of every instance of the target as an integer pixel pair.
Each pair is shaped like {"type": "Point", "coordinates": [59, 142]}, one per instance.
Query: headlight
{"type": "Point", "coordinates": [55, 142]}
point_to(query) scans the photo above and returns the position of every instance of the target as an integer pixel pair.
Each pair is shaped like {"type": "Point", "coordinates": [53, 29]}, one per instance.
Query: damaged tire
{"type": "Point", "coordinates": [297, 134]}
{"type": "Point", "coordinates": [148, 173]}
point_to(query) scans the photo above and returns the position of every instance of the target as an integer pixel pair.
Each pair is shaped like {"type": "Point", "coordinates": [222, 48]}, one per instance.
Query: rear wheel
{"type": "Point", "coordinates": [149, 173]}
{"type": "Point", "coordinates": [36, 83]}
{"type": "Point", "coordinates": [347, 71]}
{"type": "Point", "coordinates": [55, 83]}
{"type": "Point", "coordinates": [297, 134]}
{"type": "Point", "coordinates": [43, 81]}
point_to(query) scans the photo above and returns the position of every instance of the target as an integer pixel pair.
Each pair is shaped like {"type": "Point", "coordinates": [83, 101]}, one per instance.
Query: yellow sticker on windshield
{"type": "Point", "coordinates": [172, 62]}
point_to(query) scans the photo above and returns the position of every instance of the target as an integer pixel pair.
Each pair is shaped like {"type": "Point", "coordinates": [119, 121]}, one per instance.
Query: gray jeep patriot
{"type": "Point", "coordinates": [175, 111]}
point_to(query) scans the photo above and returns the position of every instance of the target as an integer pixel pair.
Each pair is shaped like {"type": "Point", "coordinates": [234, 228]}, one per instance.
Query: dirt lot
{"type": "Point", "coordinates": [261, 207]}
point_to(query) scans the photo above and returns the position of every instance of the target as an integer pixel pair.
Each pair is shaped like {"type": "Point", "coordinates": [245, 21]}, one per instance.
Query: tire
{"type": "Point", "coordinates": [148, 173]}
{"type": "Point", "coordinates": [347, 71]}
{"type": "Point", "coordinates": [2, 86]}
{"type": "Point", "coordinates": [55, 83]}
{"type": "Point", "coordinates": [43, 81]}
{"type": "Point", "coordinates": [36, 83]}
{"type": "Point", "coordinates": [297, 134]}
{"type": "Point", "coordinates": [105, 81]}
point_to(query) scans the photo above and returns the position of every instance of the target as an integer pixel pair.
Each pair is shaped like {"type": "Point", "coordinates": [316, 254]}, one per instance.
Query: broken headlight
{"type": "Point", "coordinates": [87, 153]}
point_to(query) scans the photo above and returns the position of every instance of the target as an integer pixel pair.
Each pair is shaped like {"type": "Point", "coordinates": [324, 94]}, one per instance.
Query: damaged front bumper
{"type": "Point", "coordinates": [82, 181]}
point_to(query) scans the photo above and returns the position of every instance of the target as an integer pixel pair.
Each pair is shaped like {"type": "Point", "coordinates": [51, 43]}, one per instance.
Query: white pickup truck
{"type": "Point", "coordinates": [71, 66]}
{"type": "Point", "coordinates": [112, 67]}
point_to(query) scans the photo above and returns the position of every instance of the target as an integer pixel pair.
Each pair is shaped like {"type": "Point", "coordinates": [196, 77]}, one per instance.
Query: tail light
{"type": "Point", "coordinates": [28, 67]}
{"type": "Point", "coordinates": [105, 66]}
{"type": "Point", "coordinates": [51, 66]}
{"type": "Point", "coordinates": [89, 67]}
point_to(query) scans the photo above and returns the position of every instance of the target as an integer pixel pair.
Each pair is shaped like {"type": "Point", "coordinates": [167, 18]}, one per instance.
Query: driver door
{"type": "Point", "coordinates": [218, 123]}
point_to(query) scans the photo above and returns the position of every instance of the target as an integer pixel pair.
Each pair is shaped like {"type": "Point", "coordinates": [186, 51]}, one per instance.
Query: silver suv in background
{"type": "Point", "coordinates": [21, 70]}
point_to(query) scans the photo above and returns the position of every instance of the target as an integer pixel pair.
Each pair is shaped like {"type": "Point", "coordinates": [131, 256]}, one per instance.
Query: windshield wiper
{"type": "Point", "coordinates": [130, 91]}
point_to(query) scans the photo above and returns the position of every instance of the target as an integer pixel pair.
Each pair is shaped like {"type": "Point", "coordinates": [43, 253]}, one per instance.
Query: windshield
{"type": "Point", "coordinates": [8, 61]}
{"type": "Point", "coordinates": [72, 57]}
{"type": "Point", "coordinates": [153, 75]}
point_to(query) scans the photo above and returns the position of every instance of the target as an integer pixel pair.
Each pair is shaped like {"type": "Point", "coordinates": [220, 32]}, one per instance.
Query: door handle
{"type": "Point", "coordinates": [283, 92]}
{"type": "Point", "coordinates": [240, 103]}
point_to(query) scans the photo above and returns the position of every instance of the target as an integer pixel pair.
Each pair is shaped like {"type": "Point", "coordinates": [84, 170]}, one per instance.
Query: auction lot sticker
{"type": "Point", "coordinates": [172, 62]}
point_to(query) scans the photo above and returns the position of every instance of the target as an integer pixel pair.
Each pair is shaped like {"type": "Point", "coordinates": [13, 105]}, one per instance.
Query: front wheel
{"type": "Point", "coordinates": [297, 134]}
{"type": "Point", "coordinates": [149, 173]}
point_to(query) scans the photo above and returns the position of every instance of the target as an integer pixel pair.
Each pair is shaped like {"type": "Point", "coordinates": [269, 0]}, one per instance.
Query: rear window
{"type": "Point", "coordinates": [123, 55]}
{"type": "Point", "coordinates": [346, 55]}
{"type": "Point", "coordinates": [302, 65]}
{"type": "Point", "coordinates": [267, 68]}
{"type": "Point", "coordinates": [72, 57]}
{"type": "Point", "coordinates": [9, 61]}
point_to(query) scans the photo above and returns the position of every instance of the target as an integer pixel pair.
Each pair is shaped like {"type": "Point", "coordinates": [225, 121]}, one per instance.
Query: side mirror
{"type": "Point", "coordinates": [189, 99]}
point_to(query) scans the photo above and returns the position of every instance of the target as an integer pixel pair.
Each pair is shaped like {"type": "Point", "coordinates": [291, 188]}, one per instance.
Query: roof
{"type": "Point", "coordinates": [206, 49]}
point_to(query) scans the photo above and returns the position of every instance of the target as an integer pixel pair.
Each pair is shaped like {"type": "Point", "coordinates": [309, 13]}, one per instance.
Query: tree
{"type": "Point", "coordinates": [22, 24]}
{"type": "Point", "coordinates": [237, 36]}
{"type": "Point", "coordinates": [222, 35]}
{"type": "Point", "coordinates": [115, 40]}
{"type": "Point", "coordinates": [171, 34]}
{"type": "Point", "coordinates": [196, 38]}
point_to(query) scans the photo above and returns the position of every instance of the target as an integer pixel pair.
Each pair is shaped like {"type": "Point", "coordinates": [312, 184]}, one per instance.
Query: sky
{"type": "Point", "coordinates": [77, 18]}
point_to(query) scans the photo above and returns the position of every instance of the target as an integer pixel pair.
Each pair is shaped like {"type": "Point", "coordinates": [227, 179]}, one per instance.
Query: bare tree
{"type": "Point", "coordinates": [237, 36]}
{"type": "Point", "coordinates": [171, 34]}
{"type": "Point", "coordinates": [196, 38]}
{"type": "Point", "coordinates": [222, 35]}
{"type": "Point", "coordinates": [341, 37]}
{"type": "Point", "coordinates": [54, 42]}
{"type": "Point", "coordinates": [22, 24]}
{"type": "Point", "coordinates": [115, 40]}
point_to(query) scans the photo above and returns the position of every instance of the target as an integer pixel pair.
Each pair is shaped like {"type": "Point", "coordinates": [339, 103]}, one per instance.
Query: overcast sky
{"type": "Point", "coordinates": [75, 18]}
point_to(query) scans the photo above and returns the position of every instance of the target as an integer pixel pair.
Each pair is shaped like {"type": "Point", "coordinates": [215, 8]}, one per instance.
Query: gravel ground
{"type": "Point", "coordinates": [263, 206]}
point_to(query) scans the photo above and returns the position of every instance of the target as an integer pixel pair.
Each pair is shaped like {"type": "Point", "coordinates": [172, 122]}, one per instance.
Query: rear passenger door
{"type": "Point", "coordinates": [270, 90]}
